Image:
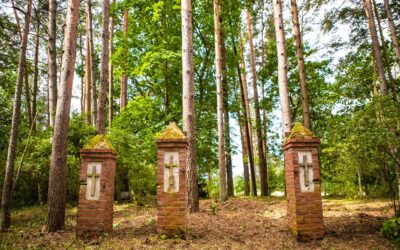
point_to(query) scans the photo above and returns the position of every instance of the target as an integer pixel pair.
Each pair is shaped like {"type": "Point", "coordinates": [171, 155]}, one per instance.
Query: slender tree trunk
{"type": "Point", "coordinates": [124, 78]}
{"type": "Point", "coordinates": [111, 76]}
{"type": "Point", "coordinates": [243, 129]}
{"type": "Point", "coordinates": [360, 190]}
{"type": "Point", "coordinates": [58, 164]}
{"type": "Point", "coordinates": [5, 216]}
{"type": "Point", "coordinates": [245, 158]}
{"type": "Point", "coordinates": [83, 78]}
{"type": "Point", "coordinates": [300, 62]}
{"type": "Point", "coordinates": [393, 31]}
{"type": "Point", "coordinates": [105, 49]}
{"type": "Point", "coordinates": [220, 105]}
{"type": "Point", "coordinates": [243, 137]}
{"type": "Point", "coordinates": [228, 156]}
{"type": "Point", "coordinates": [28, 95]}
{"type": "Point", "coordinates": [36, 73]}
{"type": "Point", "coordinates": [248, 126]}
{"type": "Point", "coordinates": [189, 115]}
{"type": "Point", "coordinates": [375, 46]}
{"type": "Point", "coordinates": [52, 61]}
{"type": "Point", "coordinates": [261, 156]}
{"type": "Point", "coordinates": [385, 52]}
{"type": "Point", "coordinates": [93, 65]}
{"type": "Point", "coordinates": [282, 66]}
{"type": "Point", "coordinates": [88, 69]}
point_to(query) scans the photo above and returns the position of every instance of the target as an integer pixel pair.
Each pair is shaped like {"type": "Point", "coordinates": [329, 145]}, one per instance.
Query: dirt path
{"type": "Point", "coordinates": [237, 224]}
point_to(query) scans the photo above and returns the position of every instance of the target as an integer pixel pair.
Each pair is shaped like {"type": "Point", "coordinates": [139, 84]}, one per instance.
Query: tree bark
{"type": "Point", "coordinates": [58, 163]}
{"type": "Point", "coordinates": [88, 69]}
{"type": "Point", "coordinates": [375, 47]}
{"type": "Point", "coordinates": [248, 126]}
{"type": "Point", "coordinates": [36, 73]}
{"type": "Point", "coordinates": [111, 76]}
{"type": "Point", "coordinates": [188, 104]}
{"type": "Point", "coordinates": [385, 52]}
{"type": "Point", "coordinates": [393, 31]}
{"type": "Point", "coordinates": [300, 62]}
{"type": "Point", "coordinates": [243, 137]}
{"type": "Point", "coordinates": [243, 129]}
{"type": "Point", "coordinates": [105, 49]}
{"type": "Point", "coordinates": [28, 95]}
{"type": "Point", "coordinates": [228, 150]}
{"type": "Point", "coordinates": [261, 156]}
{"type": "Point", "coordinates": [94, 67]}
{"type": "Point", "coordinates": [5, 216]}
{"type": "Point", "coordinates": [282, 67]}
{"type": "Point", "coordinates": [124, 77]}
{"type": "Point", "coordinates": [220, 105]}
{"type": "Point", "coordinates": [52, 61]}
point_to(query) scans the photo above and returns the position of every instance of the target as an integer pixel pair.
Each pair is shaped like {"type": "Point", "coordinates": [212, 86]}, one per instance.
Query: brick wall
{"type": "Point", "coordinates": [96, 216]}
{"type": "Point", "coordinates": [304, 209]}
{"type": "Point", "coordinates": [171, 207]}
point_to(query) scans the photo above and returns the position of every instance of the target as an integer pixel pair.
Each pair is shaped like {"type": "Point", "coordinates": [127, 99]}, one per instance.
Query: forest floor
{"type": "Point", "coordinates": [240, 223]}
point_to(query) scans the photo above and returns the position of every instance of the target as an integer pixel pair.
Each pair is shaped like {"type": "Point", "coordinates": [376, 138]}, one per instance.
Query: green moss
{"type": "Point", "coordinates": [99, 142]}
{"type": "Point", "coordinates": [300, 131]}
{"type": "Point", "coordinates": [171, 132]}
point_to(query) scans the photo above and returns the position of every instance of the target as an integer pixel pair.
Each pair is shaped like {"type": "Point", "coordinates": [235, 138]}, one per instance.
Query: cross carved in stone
{"type": "Point", "coordinates": [306, 165]}
{"type": "Point", "coordinates": [171, 179]}
{"type": "Point", "coordinates": [93, 175]}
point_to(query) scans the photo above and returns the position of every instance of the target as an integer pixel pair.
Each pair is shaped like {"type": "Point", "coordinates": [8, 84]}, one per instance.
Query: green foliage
{"type": "Point", "coordinates": [391, 230]}
{"type": "Point", "coordinates": [133, 135]}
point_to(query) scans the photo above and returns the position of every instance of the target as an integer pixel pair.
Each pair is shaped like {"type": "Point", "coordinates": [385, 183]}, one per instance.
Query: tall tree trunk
{"type": "Point", "coordinates": [393, 31]}
{"type": "Point", "coordinates": [220, 105]}
{"type": "Point", "coordinates": [248, 126]}
{"type": "Point", "coordinates": [282, 66]}
{"type": "Point", "coordinates": [105, 49]}
{"type": "Point", "coordinates": [375, 46]}
{"type": "Point", "coordinates": [189, 115]}
{"type": "Point", "coordinates": [88, 69]}
{"type": "Point", "coordinates": [36, 73]}
{"type": "Point", "coordinates": [261, 156]}
{"type": "Point", "coordinates": [111, 70]}
{"type": "Point", "coordinates": [228, 156]}
{"type": "Point", "coordinates": [52, 61]}
{"type": "Point", "coordinates": [385, 52]}
{"type": "Point", "coordinates": [93, 65]}
{"type": "Point", "coordinates": [300, 62]}
{"type": "Point", "coordinates": [28, 95]}
{"type": "Point", "coordinates": [243, 136]}
{"type": "Point", "coordinates": [83, 78]}
{"type": "Point", "coordinates": [245, 159]}
{"type": "Point", "coordinates": [243, 129]}
{"type": "Point", "coordinates": [5, 217]}
{"type": "Point", "coordinates": [58, 164]}
{"type": "Point", "coordinates": [124, 77]}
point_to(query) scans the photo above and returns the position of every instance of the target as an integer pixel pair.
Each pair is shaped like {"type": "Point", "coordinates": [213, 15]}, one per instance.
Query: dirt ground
{"type": "Point", "coordinates": [240, 223]}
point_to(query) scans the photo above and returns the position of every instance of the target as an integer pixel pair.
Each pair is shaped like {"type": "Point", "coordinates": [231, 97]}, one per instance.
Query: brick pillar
{"type": "Point", "coordinates": [96, 194]}
{"type": "Point", "coordinates": [171, 183]}
{"type": "Point", "coordinates": [303, 188]}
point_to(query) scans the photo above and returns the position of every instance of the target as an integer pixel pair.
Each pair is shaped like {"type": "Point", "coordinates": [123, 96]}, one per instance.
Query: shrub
{"type": "Point", "coordinates": [391, 230]}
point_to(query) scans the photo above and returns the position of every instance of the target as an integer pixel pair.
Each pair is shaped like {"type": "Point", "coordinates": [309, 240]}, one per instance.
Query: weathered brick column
{"type": "Point", "coordinates": [96, 194]}
{"type": "Point", "coordinates": [303, 189]}
{"type": "Point", "coordinates": [171, 188]}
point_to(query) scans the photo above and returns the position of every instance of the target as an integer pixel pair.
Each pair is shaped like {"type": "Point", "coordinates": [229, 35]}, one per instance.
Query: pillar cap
{"type": "Point", "coordinates": [172, 133]}
{"type": "Point", "coordinates": [98, 144]}
{"type": "Point", "coordinates": [300, 134]}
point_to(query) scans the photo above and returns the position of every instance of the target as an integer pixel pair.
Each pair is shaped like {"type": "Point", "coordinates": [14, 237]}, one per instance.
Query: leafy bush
{"type": "Point", "coordinates": [391, 230]}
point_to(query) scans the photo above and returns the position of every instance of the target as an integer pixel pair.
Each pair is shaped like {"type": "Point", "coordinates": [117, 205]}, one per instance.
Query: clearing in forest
{"type": "Point", "coordinates": [240, 223]}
